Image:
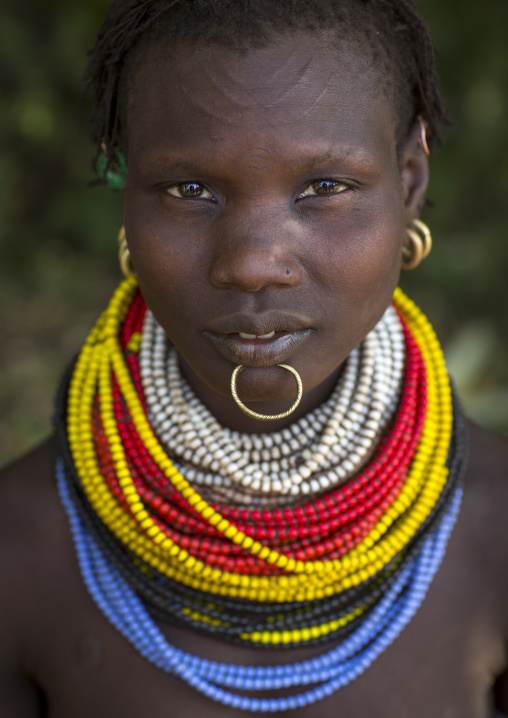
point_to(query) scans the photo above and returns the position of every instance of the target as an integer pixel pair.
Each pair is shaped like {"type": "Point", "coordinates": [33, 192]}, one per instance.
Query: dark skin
{"type": "Point", "coordinates": [199, 261]}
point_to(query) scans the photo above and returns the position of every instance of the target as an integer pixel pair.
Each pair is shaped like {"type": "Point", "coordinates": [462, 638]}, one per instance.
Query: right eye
{"type": "Point", "coordinates": [190, 190]}
{"type": "Point", "coordinates": [324, 188]}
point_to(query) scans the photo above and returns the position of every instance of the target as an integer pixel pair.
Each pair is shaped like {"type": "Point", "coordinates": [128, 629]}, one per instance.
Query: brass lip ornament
{"type": "Point", "coordinates": [124, 256]}
{"type": "Point", "coordinates": [420, 246]}
{"type": "Point", "coordinates": [266, 417]}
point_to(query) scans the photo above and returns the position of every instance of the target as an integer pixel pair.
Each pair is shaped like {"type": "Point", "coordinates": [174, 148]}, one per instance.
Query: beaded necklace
{"type": "Point", "coordinates": [334, 439]}
{"type": "Point", "coordinates": [330, 530]}
{"type": "Point", "coordinates": [329, 672]}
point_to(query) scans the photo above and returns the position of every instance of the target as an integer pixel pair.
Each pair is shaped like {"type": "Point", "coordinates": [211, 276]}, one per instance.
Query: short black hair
{"type": "Point", "coordinates": [392, 31]}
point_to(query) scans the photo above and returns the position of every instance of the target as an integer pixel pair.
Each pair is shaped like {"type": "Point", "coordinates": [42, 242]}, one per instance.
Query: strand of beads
{"type": "Point", "coordinates": [356, 420]}
{"type": "Point", "coordinates": [291, 579]}
{"type": "Point", "coordinates": [315, 630]}
{"type": "Point", "coordinates": [326, 673]}
{"type": "Point", "coordinates": [366, 497]}
{"type": "Point", "coordinates": [313, 544]}
{"type": "Point", "coordinates": [261, 624]}
{"type": "Point", "coordinates": [334, 440]}
{"type": "Point", "coordinates": [181, 522]}
{"type": "Point", "coordinates": [305, 538]}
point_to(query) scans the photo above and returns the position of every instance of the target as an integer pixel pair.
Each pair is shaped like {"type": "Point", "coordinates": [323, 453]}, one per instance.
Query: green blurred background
{"type": "Point", "coordinates": [58, 236]}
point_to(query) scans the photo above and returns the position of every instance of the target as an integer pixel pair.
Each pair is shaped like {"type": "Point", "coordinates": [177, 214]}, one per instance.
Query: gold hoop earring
{"type": "Point", "coordinates": [266, 417]}
{"type": "Point", "coordinates": [419, 245]}
{"type": "Point", "coordinates": [124, 256]}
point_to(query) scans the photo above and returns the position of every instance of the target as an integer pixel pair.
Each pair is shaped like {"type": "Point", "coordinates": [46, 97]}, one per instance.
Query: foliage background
{"type": "Point", "coordinates": [58, 236]}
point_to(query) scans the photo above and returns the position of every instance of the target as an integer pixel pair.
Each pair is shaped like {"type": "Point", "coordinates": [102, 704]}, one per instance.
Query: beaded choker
{"type": "Point", "coordinates": [330, 530]}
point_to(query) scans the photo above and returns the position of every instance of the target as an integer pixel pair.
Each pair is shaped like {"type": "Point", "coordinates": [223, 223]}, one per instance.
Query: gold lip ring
{"type": "Point", "coordinates": [266, 417]}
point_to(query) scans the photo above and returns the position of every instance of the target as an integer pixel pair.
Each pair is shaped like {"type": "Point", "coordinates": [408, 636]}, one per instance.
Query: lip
{"type": "Point", "coordinates": [259, 323]}
{"type": "Point", "coordinates": [258, 352]}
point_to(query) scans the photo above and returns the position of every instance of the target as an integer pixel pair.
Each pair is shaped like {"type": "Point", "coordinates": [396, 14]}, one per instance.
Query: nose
{"type": "Point", "coordinates": [252, 255]}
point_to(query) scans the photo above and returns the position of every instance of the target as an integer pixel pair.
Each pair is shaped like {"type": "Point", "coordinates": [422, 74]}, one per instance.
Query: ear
{"type": "Point", "coordinates": [415, 173]}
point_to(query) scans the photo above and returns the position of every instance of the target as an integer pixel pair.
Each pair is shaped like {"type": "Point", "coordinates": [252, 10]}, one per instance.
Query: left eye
{"type": "Point", "coordinates": [323, 188]}
{"type": "Point", "coordinates": [190, 190]}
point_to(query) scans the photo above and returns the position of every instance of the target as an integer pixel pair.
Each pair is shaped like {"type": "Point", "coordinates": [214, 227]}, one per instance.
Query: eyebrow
{"type": "Point", "coordinates": [297, 164]}
{"type": "Point", "coordinates": [306, 163]}
{"type": "Point", "coordinates": [178, 166]}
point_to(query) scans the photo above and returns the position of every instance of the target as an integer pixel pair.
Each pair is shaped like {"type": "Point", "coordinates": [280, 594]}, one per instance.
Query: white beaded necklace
{"type": "Point", "coordinates": [319, 451]}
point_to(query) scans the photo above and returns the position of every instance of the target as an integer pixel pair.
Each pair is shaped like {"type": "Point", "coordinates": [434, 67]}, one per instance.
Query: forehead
{"type": "Point", "coordinates": [301, 86]}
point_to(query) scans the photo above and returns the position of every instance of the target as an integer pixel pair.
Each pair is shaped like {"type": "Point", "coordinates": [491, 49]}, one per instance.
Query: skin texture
{"type": "Point", "coordinates": [200, 263]}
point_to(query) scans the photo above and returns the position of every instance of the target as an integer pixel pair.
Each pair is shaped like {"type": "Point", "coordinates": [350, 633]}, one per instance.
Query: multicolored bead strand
{"type": "Point", "coordinates": [310, 523]}
{"type": "Point", "coordinates": [340, 550]}
{"type": "Point", "coordinates": [329, 671]}
{"type": "Point", "coordinates": [303, 579]}
{"type": "Point", "coordinates": [281, 625]}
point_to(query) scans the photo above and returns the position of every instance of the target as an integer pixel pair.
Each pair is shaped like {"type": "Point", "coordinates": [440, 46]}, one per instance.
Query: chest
{"type": "Point", "coordinates": [441, 666]}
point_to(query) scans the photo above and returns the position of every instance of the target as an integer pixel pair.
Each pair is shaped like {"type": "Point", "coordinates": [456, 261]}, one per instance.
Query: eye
{"type": "Point", "coordinates": [324, 188]}
{"type": "Point", "coordinates": [190, 190]}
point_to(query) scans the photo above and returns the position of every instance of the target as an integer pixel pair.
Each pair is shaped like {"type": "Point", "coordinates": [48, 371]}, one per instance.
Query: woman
{"type": "Point", "coordinates": [333, 553]}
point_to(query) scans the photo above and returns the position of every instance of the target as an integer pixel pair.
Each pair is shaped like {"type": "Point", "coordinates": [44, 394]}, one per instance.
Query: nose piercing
{"type": "Point", "coordinates": [266, 417]}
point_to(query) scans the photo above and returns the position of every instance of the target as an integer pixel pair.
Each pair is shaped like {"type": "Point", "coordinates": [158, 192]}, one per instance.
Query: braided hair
{"type": "Point", "coordinates": [391, 31]}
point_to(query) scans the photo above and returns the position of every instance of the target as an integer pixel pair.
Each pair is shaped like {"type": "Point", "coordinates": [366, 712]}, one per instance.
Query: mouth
{"type": "Point", "coordinates": [258, 350]}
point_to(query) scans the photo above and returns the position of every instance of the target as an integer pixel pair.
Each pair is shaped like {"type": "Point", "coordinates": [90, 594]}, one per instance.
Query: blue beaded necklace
{"type": "Point", "coordinates": [330, 671]}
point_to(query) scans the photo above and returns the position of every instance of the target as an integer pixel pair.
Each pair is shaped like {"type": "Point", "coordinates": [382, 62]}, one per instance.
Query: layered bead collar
{"type": "Point", "coordinates": [331, 530]}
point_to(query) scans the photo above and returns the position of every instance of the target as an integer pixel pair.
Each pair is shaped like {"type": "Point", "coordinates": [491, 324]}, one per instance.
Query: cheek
{"type": "Point", "coordinates": [172, 286]}
{"type": "Point", "coordinates": [360, 269]}
{"type": "Point", "coordinates": [363, 263]}
{"type": "Point", "coordinates": [171, 270]}
{"type": "Point", "coordinates": [375, 265]}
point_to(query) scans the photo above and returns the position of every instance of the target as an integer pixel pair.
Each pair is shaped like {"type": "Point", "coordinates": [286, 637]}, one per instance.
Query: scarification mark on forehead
{"type": "Point", "coordinates": [291, 90]}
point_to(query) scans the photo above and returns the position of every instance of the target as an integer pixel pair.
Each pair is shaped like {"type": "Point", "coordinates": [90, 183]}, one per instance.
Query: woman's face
{"type": "Point", "coordinates": [264, 195]}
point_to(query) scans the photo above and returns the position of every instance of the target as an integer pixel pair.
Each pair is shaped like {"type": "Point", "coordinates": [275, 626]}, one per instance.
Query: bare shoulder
{"type": "Point", "coordinates": [33, 540]}
{"type": "Point", "coordinates": [30, 515]}
{"type": "Point", "coordinates": [483, 537]}
{"type": "Point", "coordinates": [483, 527]}
{"type": "Point", "coordinates": [32, 530]}
{"type": "Point", "coordinates": [487, 484]}
{"type": "Point", "coordinates": [488, 449]}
